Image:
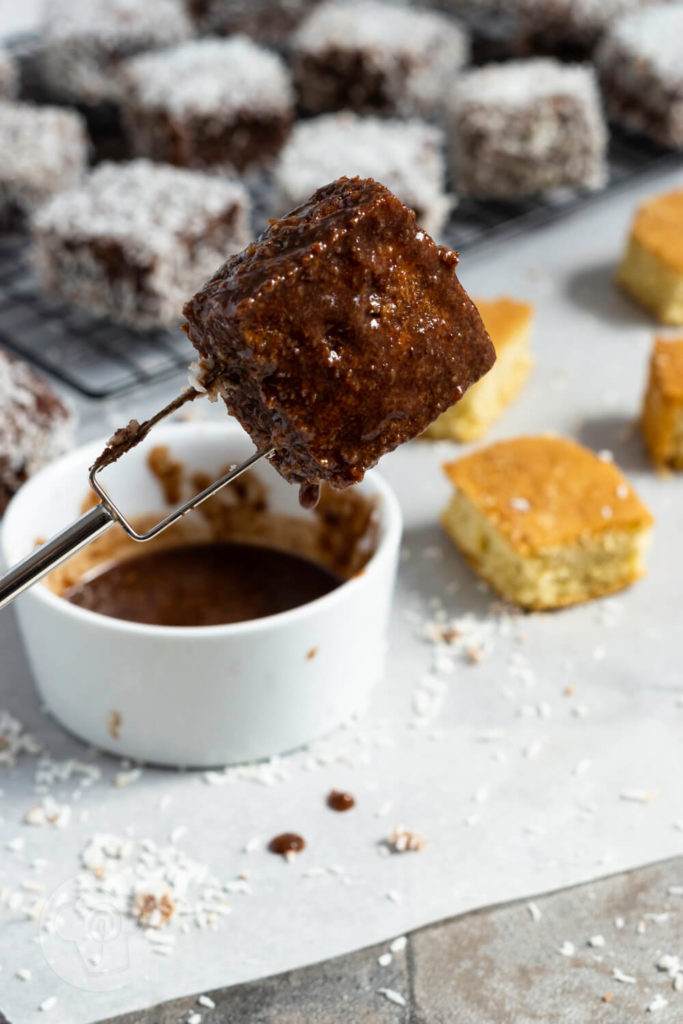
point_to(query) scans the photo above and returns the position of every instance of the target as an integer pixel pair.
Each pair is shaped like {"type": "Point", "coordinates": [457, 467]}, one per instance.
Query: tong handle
{"type": "Point", "coordinates": [48, 556]}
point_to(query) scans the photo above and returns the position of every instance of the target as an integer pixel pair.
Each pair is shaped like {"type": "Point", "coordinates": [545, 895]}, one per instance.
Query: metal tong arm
{"type": "Point", "coordinates": [48, 556]}
{"type": "Point", "coordinates": [93, 524]}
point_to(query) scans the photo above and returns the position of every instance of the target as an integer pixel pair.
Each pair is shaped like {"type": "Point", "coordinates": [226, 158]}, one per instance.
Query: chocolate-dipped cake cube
{"type": "Point", "coordinates": [135, 239]}
{"type": "Point", "coordinates": [213, 103]}
{"type": "Point", "coordinates": [42, 150]}
{"type": "Point", "coordinates": [527, 127]}
{"type": "Point", "coordinates": [341, 332]}
{"type": "Point", "coordinates": [376, 58]}
{"type": "Point", "coordinates": [640, 62]}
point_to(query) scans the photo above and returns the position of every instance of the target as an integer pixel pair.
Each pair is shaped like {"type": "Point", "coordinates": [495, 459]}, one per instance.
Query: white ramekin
{"type": "Point", "coordinates": [199, 696]}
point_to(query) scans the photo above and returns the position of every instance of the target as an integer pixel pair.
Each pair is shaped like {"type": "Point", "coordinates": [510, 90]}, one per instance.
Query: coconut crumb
{"type": "Point", "coordinates": [638, 796]}
{"type": "Point", "coordinates": [48, 812]}
{"type": "Point", "coordinates": [114, 722]}
{"type": "Point", "coordinates": [123, 779]}
{"type": "Point", "coordinates": [153, 910]}
{"type": "Point", "coordinates": [625, 979]}
{"type": "Point", "coordinates": [520, 504]}
{"type": "Point", "coordinates": [403, 840]}
{"type": "Point", "coordinates": [392, 996]}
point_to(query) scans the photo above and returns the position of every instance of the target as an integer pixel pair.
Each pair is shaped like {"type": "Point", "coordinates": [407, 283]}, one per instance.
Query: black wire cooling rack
{"type": "Point", "coordinates": [101, 359]}
{"type": "Point", "coordinates": [96, 357]}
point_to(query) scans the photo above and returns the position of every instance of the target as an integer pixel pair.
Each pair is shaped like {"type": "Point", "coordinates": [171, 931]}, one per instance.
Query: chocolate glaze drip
{"type": "Point", "coordinates": [128, 437]}
{"type": "Point", "coordinates": [337, 800]}
{"type": "Point", "coordinates": [309, 494]}
{"type": "Point", "coordinates": [286, 844]}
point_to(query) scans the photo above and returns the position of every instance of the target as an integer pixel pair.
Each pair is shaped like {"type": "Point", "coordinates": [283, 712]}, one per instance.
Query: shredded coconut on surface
{"type": "Point", "coordinates": [402, 840]}
{"type": "Point", "coordinates": [159, 888]}
{"type": "Point", "coordinates": [392, 996]}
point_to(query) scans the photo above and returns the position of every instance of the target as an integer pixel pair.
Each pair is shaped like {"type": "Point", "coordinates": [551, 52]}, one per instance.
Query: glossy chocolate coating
{"type": "Point", "coordinates": [340, 333]}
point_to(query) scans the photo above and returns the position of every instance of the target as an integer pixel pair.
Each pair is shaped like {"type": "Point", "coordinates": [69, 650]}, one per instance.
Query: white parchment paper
{"type": "Point", "coordinates": [553, 759]}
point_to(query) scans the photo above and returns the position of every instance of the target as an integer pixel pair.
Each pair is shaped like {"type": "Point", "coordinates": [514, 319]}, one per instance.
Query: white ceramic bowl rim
{"type": "Point", "coordinates": [389, 510]}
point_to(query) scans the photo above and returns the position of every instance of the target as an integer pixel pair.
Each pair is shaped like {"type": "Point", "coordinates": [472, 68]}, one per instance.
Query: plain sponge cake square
{"type": "Point", "coordinates": [509, 325]}
{"type": "Point", "coordinates": [652, 268]}
{"type": "Point", "coordinates": [662, 420]}
{"type": "Point", "coordinates": [546, 522]}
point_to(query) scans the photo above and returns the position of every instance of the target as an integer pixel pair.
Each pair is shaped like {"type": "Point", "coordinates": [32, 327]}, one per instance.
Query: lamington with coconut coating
{"type": "Point", "coordinates": [209, 103]}
{"type": "Point", "coordinates": [340, 333]}
{"type": "Point", "coordinates": [641, 68]}
{"type": "Point", "coordinates": [82, 44]}
{"type": "Point", "coordinates": [527, 127]}
{"type": "Point", "coordinates": [406, 154]}
{"type": "Point", "coordinates": [36, 425]}
{"type": "Point", "coordinates": [135, 239]}
{"type": "Point", "coordinates": [42, 151]}
{"type": "Point", "coordinates": [376, 58]}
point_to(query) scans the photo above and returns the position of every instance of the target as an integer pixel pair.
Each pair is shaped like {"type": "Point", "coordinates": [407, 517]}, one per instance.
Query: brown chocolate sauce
{"type": "Point", "coordinates": [286, 844]}
{"type": "Point", "coordinates": [203, 585]}
{"type": "Point", "coordinates": [340, 801]}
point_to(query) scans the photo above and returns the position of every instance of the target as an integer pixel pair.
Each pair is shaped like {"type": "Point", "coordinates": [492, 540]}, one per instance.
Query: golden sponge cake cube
{"type": "Point", "coordinates": [509, 325]}
{"type": "Point", "coordinates": [662, 419]}
{"type": "Point", "coordinates": [652, 268]}
{"type": "Point", "coordinates": [546, 522]}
